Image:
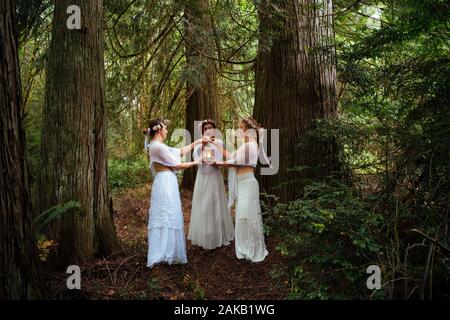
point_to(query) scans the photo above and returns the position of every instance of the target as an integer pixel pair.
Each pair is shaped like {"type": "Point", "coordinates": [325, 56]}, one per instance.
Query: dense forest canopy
{"type": "Point", "coordinates": [358, 88]}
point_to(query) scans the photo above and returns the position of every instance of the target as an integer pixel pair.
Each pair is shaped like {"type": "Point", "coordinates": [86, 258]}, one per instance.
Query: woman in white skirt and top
{"type": "Point", "coordinates": [211, 225]}
{"type": "Point", "coordinates": [166, 239]}
{"type": "Point", "coordinates": [249, 237]}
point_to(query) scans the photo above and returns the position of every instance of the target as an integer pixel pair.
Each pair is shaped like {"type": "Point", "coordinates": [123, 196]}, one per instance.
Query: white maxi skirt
{"type": "Point", "coordinates": [211, 225]}
{"type": "Point", "coordinates": [166, 240]}
{"type": "Point", "coordinates": [249, 237]}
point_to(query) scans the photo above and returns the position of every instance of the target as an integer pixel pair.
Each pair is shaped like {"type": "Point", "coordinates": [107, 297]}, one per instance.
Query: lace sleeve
{"type": "Point", "coordinates": [162, 154]}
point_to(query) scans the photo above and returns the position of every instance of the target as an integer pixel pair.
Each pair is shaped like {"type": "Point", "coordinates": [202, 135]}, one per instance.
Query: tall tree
{"type": "Point", "coordinates": [73, 148]}
{"type": "Point", "coordinates": [18, 260]}
{"type": "Point", "coordinates": [201, 102]}
{"type": "Point", "coordinates": [296, 85]}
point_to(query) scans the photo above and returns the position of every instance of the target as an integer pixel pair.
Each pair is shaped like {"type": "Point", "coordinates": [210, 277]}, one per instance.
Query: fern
{"type": "Point", "coordinates": [53, 213]}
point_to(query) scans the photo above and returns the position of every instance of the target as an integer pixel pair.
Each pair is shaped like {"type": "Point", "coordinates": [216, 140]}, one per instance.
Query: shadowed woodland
{"type": "Point", "coordinates": [359, 90]}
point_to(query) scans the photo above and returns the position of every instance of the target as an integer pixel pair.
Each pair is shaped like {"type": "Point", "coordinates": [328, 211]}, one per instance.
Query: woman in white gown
{"type": "Point", "coordinates": [166, 240]}
{"type": "Point", "coordinates": [211, 225]}
{"type": "Point", "coordinates": [249, 237]}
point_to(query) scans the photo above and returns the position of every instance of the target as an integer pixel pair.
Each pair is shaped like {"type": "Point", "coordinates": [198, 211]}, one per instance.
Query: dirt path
{"type": "Point", "coordinates": [209, 274]}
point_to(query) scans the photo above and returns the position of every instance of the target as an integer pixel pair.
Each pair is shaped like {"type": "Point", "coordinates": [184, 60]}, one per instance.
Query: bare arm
{"type": "Point", "coordinates": [224, 151]}
{"type": "Point", "coordinates": [186, 165]}
{"type": "Point", "coordinates": [189, 147]}
{"type": "Point", "coordinates": [226, 164]}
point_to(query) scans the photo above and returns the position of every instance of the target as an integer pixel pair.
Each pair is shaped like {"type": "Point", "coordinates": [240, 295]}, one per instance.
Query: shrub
{"type": "Point", "coordinates": [330, 236]}
{"type": "Point", "coordinates": [128, 172]}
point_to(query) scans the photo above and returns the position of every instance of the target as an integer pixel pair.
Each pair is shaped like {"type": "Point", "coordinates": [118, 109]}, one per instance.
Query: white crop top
{"type": "Point", "coordinates": [163, 154]}
{"type": "Point", "coordinates": [246, 155]}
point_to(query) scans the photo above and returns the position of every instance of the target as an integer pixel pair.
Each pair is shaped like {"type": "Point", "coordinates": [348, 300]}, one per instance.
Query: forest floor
{"type": "Point", "coordinates": [209, 274]}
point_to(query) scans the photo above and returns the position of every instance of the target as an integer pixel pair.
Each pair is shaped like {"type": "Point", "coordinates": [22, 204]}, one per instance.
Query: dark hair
{"type": "Point", "coordinates": [208, 121]}
{"type": "Point", "coordinates": [150, 130]}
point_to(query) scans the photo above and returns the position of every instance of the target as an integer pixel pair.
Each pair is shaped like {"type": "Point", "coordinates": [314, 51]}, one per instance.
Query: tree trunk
{"type": "Point", "coordinates": [201, 102]}
{"type": "Point", "coordinates": [19, 275]}
{"type": "Point", "coordinates": [74, 137]}
{"type": "Point", "coordinates": [295, 86]}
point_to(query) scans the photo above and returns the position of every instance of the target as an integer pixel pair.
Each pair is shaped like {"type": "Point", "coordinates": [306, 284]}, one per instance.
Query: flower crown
{"type": "Point", "coordinates": [158, 127]}
{"type": "Point", "coordinates": [206, 121]}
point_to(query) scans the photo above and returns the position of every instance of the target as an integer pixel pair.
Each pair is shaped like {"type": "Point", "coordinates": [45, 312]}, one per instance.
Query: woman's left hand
{"type": "Point", "coordinates": [205, 140]}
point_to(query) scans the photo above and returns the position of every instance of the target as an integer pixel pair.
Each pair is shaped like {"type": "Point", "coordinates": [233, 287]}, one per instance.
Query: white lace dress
{"type": "Point", "coordinates": [211, 225]}
{"type": "Point", "coordinates": [166, 239]}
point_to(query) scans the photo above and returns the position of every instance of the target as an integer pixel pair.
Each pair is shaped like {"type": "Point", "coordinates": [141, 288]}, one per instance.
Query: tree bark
{"type": "Point", "coordinates": [74, 137]}
{"type": "Point", "coordinates": [19, 276]}
{"type": "Point", "coordinates": [295, 86]}
{"type": "Point", "coordinates": [201, 102]}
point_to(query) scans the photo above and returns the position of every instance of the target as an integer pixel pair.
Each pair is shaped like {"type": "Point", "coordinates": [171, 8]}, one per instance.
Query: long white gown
{"type": "Point", "coordinates": [211, 225]}
{"type": "Point", "coordinates": [166, 238]}
{"type": "Point", "coordinates": [249, 236]}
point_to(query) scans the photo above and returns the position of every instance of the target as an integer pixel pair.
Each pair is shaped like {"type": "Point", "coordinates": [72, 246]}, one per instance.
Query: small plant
{"type": "Point", "coordinates": [54, 213]}
{"type": "Point", "coordinates": [128, 172]}
{"type": "Point", "coordinates": [194, 286]}
{"type": "Point", "coordinates": [328, 236]}
{"type": "Point", "coordinates": [153, 284]}
{"type": "Point", "coordinates": [45, 245]}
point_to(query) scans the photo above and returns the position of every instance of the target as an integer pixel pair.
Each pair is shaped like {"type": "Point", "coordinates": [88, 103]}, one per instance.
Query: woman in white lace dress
{"type": "Point", "coordinates": [166, 240]}
{"type": "Point", "coordinates": [211, 225]}
{"type": "Point", "coordinates": [249, 237]}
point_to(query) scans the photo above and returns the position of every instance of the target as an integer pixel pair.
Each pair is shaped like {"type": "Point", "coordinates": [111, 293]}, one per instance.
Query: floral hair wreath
{"type": "Point", "coordinates": [164, 123]}
{"type": "Point", "coordinates": [206, 121]}
{"type": "Point", "coordinates": [158, 127]}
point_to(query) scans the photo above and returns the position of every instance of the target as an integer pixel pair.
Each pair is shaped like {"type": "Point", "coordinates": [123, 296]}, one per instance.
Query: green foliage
{"type": "Point", "coordinates": [397, 84]}
{"type": "Point", "coordinates": [394, 131]}
{"type": "Point", "coordinates": [153, 285]}
{"type": "Point", "coordinates": [199, 293]}
{"type": "Point", "coordinates": [30, 17]}
{"type": "Point", "coordinates": [33, 145]}
{"type": "Point", "coordinates": [53, 213]}
{"type": "Point", "coordinates": [329, 235]}
{"type": "Point", "coordinates": [45, 245]}
{"type": "Point", "coordinates": [128, 172]}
